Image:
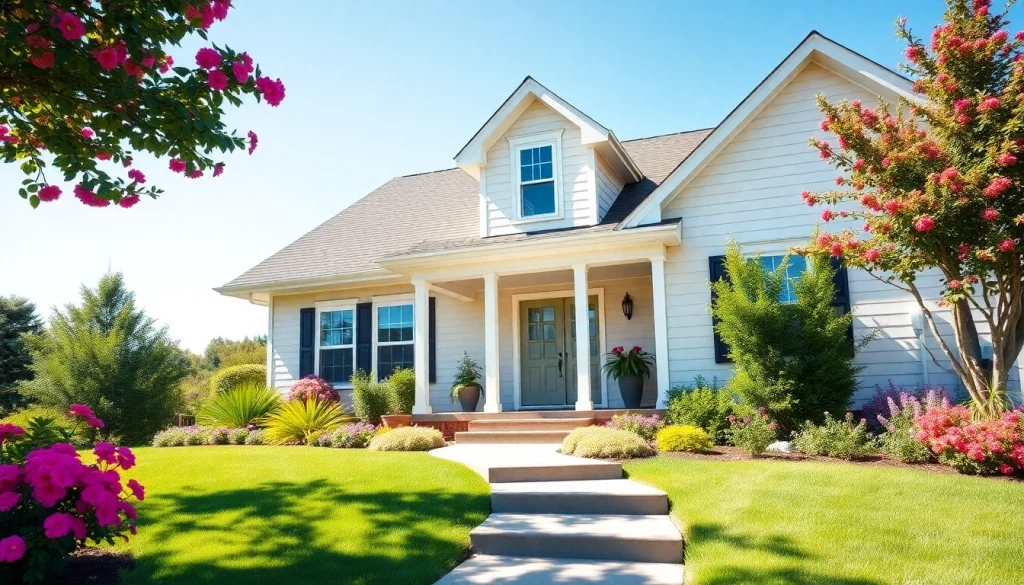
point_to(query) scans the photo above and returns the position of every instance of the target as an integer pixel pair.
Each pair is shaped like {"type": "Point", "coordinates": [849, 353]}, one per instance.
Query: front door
{"type": "Point", "coordinates": [548, 352]}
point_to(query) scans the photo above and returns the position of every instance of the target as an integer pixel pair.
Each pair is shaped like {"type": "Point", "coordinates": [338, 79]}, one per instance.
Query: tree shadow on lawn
{"type": "Point", "coordinates": [283, 532]}
{"type": "Point", "coordinates": [783, 547]}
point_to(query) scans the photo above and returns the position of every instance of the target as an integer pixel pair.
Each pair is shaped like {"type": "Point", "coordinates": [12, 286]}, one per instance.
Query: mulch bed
{"type": "Point", "coordinates": [729, 453]}
{"type": "Point", "coordinates": [93, 566]}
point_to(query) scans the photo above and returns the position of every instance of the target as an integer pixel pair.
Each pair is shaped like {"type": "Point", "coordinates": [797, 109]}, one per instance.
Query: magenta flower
{"type": "Point", "coordinates": [177, 165]}
{"type": "Point", "coordinates": [126, 203]}
{"type": "Point", "coordinates": [217, 80]}
{"type": "Point", "coordinates": [208, 58]}
{"type": "Point", "coordinates": [137, 176]}
{"type": "Point", "coordinates": [70, 26]}
{"type": "Point", "coordinates": [57, 525]}
{"type": "Point", "coordinates": [272, 90]}
{"type": "Point", "coordinates": [8, 500]}
{"type": "Point", "coordinates": [80, 410]}
{"type": "Point", "coordinates": [253, 141]}
{"type": "Point", "coordinates": [137, 489]}
{"type": "Point", "coordinates": [12, 549]}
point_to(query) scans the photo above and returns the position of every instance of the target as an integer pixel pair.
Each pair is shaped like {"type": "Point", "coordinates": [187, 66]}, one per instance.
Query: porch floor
{"type": "Point", "coordinates": [450, 423]}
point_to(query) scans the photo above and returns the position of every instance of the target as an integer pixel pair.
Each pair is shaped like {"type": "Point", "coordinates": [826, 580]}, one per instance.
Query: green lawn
{"type": "Point", "coordinates": [803, 523]}
{"type": "Point", "coordinates": [301, 515]}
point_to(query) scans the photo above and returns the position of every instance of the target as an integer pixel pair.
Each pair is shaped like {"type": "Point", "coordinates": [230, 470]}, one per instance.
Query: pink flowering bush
{"type": "Point", "coordinates": [52, 502]}
{"type": "Point", "coordinates": [753, 433]}
{"type": "Point", "coordinates": [645, 427]}
{"type": "Point", "coordinates": [879, 403]}
{"type": "Point", "coordinates": [312, 387]}
{"type": "Point", "coordinates": [899, 440]}
{"type": "Point", "coordinates": [984, 448]}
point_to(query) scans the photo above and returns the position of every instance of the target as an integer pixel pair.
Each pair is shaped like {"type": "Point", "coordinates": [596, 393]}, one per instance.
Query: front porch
{"type": "Point", "coordinates": [450, 423]}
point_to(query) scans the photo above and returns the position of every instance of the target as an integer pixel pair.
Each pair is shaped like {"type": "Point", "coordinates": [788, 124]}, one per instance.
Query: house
{"type": "Point", "coordinates": [523, 254]}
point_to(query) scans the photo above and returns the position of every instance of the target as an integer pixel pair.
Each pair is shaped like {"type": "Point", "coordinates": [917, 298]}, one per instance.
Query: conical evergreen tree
{"type": "Point", "coordinates": [17, 316]}
{"type": "Point", "coordinates": [108, 354]}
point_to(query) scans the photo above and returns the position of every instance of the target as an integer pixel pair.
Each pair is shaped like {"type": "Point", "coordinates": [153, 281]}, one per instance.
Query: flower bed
{"type": "Point", "coordinates": [200, 435]}
{"type": "Point", "coordinates": [984, 447]}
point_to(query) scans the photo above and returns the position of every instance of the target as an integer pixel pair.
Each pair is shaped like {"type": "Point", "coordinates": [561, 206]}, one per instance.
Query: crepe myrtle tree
{"type": "Point", "coordinates": [937, 181]}
{"type": "Point", "coordinates": [84, 85]}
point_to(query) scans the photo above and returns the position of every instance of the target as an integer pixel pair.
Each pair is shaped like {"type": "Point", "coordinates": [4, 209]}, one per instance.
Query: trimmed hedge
{"type": "Point", "coordinates": [684, 438]}
{"type": "Point", "coordinates": [408, 439]}
{"type": "Point", "coordinates": [605, 443]}
{"type": "Point", "coordinates": [232, 377]}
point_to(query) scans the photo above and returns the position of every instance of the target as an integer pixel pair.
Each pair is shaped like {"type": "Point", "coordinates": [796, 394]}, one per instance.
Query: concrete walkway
{"type": "Point", "coordinates": [565, 520]}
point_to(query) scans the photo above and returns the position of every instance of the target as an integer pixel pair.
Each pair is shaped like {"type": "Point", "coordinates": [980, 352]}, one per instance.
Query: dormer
{"type": "Point", "coordinates": [542, 165]}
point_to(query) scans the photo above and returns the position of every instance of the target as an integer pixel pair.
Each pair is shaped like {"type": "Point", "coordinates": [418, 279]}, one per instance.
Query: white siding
{"type": "Point", "coordinates": [751, 191]}
{"type": "Point", "coordinates": [576, 180]}
{"type": "Point", "coordinates": [608, 186]}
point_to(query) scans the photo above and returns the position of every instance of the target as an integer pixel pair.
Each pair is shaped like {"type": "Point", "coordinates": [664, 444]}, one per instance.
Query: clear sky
{"type": "Point", "coordinates": [378, 89]}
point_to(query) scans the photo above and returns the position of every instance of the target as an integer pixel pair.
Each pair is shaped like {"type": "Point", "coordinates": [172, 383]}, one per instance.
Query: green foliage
{"type": "Point", "coordinates": [369, 397]}
{"type": "Point", "coordinates": [55, 87]}
{"type": "Point", "coordinates": [467, 374]}
{"type": "Point", "coordinates": [408, 439]}
{"type": "Point", "coordinates": [108, 354]}
{"type": "Point", "coordinates": [83, 435]}
{"type": "Point", "coordinates": [903, 445]}
{"type": "Point", "coordinates": [302, 421]}
{"type": "Point", "coordinates": [239, 407]}
{"type": "Point", "coordinates": [835, 438]}
{"type": "Point", "coordinates": [752, 433]}
{"type": "Point", "coordinates": [401, 391]}
{"type": "Point", "coordinates": [224, 353]}
{"type": "Point", "coordinates": [621, 363]}
{"type": "Point", "coordinates": [702, 405]}
{"type": "Point", "coordinates": [684, 438]}
{"type": "Point", "coordinates": [234, 376]}
{"type": "Point", "coordinates": [795, 360]}
{"type": "Point", "coordinates": [195, 391]}
{"type": "Point", "coordinates": [17, 317]}
{"type": "Point", "coordinates": [194, 436]}
{"type": "Point", "coordinates": [605, 443]}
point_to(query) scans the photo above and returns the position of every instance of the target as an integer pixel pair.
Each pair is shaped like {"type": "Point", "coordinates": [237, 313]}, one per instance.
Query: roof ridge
{"type": "Point", "coordinates": [426, 173]}
{"type": "Point", "coordinates": [669, 134]}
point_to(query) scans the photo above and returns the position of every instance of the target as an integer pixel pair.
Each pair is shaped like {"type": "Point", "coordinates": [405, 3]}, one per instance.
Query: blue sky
{"type": "Point", "coordinates": [379, 89]}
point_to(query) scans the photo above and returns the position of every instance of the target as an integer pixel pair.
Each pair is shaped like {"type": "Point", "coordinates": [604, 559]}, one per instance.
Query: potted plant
{"type": "Point", "coordinates": [630, 368]}
{"type": "Point", "coordinates": [401, 395]}
{"type": "Point", "coordinates": [466, 386]}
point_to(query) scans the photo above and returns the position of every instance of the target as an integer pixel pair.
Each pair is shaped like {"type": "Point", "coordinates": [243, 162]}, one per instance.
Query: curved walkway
{"type": "Point", "coordinates": [565, 520]}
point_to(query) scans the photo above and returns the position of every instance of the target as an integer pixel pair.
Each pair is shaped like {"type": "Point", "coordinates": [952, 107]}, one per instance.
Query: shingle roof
{"type": "Point", "coordinates": [436, 211]}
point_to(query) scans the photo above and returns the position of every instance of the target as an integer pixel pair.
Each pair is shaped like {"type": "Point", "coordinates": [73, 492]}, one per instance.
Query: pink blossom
{"type": "Point", "coordinates": [132, 68]}
{"type": "Point", "coordinates": [129, 510]}
{"type": "Point", "coordinates": [253, 141]}
{"type": "Point", "coordinates": [177, 165]}
{"type": "Point", "coordinates": [89, 198]}
{"type": "Point", "coordinates": [1006, 469]}
{"type": "Point", "coordinates": [107, 58]}
{"type": "Point", "coordinates": [218, 169]}
{"type": "Point", "coordinates": [195, 174]}
{"type": "Point", "coordinates": [103, 155]}
{"type": "Point", "coordinates": [105, 453]}
{"type": "Point", "coordinates": [166, 64]}
{"type": "Point", "coordinates": [858, 164]}
{"type": "Point", "coordinates": [43, 61]}
{"type": "Point", "coordinates": [137, 490]}
{"type": "Point", "coordinates": [955, 284]}
{"type": "Point", "coordinates": [924, 224]}
{"type": "Point", "coordinates": [988, 104]}
{"type": "Point", "coordinates": [826, 123]}
{"type": "Point", "coordinates": [38, 42]}
{"type": "Point", "coordinates": [149, 61]}
{"type": "Point", "coordinates": [49, 193]}
{"type": "Point", "coordinates": [95, 422]}
{"type": "Point", "coordinates": [996, 187]}
{"type": "Point", "coordinates": [70, 26]}
{"type": "Point", "coordinates": [57, 525]}
{"type": "Point", "coordinates": [12, 549]}
{"type": "Point", "coordinates": [125, 458]}
{"type": "Point", "coordinates": [8, 500]}
{"type": "Point", "coordinates": [990, 214]}
{"type": "Point", "coordinates": [137, 176]}
{"type": "Point", "coordinates": [217, 80]}
{"type": "Point", "coordinates": [913, 53]}
{"type": "Point", "coordinates": [961, 104]}
{"type": "Point", "coordinates": [32, 28]}
{"type": "Point", "coordinates": [79, 528]}
{"type": "Point", "coordinates": [809, 198]}
{"type": "Point", "coordinates": [10, 476]}
{"type": "Point", "coordinates": [827, 215]}
{"type": "Point", "coordinates": [272, 90]}
{"type": "Point", "coordinates": [949, 174]}
{"type": "Point", "coordinates": [86, 133]}
{"type": "Point", "coordinates": [1006, 159]}
{"type": "Point", "coordinates": [240, 71]}
{"type": "Point", "coordinates": [8, 430]}
{"type": "Point", "coordinates": [208, 58]}
{"type": "Point", "coordinates": [48, 494]}
{"type": "Point", "coordinates": [836, 250]}
{"type": "Point", "coordinates": [871, 254]}
{"type": "Point", "coordinates": [80, 410]}
{"type": "Point", "coordinates": [1006, 245]}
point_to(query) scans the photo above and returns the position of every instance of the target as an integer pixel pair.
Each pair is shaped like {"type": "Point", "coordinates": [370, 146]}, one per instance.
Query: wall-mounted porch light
{"type": "Point", "coordinates": [627, 306]}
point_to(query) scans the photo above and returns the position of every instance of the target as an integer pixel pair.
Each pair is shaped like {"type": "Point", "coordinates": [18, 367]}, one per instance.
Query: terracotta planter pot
{"type": "Point", "coordinates": [632, 390]}
{"type": "Point", "coordinates": [469, 397]}
{"type": "Point", "coordinates": [394, 421]}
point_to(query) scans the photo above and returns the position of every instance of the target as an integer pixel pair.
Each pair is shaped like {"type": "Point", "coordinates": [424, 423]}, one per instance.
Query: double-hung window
{"type": "Point", "coordinates": [395, 336]}
{"type": "Point", "coordinates": [535, 170]}
{"type": "Point", "coordinates": [336, 333]}
{"type": "Point", "coordinates": [795, 268]}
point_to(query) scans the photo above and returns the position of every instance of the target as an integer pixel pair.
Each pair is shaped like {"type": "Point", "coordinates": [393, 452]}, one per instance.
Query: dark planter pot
{"type": "Point", "coordinates": [469, 397]}
{"type": "Point", "coordinates": [632, 390]}
{"type": "Point", "coordinates": [394, 421]}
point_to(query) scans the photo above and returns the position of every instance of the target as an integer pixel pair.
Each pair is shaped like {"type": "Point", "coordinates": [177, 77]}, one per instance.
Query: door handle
{"type": "Point", "coordinates": [559, 364]}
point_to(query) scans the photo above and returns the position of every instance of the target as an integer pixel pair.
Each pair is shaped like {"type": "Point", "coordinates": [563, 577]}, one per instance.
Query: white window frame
{"type": "Point", "coordinates": [516, 144]}
{"type": "Point", "coordinates": [391, 301]}
{"type": "Point", "coordinates": [328, 306]}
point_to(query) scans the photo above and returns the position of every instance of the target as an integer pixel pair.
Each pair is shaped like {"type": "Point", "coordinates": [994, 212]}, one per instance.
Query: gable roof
{"type": "Point", "coordinates": [473, 155]}
{"type": "Point", "coordinates": [815, 47]}
{"type": "Point", "coordinates": [430, 211]}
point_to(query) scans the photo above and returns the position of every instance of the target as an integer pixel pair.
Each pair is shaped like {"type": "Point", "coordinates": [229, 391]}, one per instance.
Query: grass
{"type": "Point", "coordinates": [803, 523]}
{"type": "Point", "coordinates": [251, 515]}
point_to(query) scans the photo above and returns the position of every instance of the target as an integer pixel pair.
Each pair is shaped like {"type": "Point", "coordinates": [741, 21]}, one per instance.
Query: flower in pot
{"type": "Point", "coordinates": [630, 368]}
{"type": "Point", "coordinates": [466, 386]}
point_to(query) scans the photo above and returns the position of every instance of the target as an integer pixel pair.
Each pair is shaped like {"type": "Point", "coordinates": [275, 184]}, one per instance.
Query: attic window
{"type": "Point", "coordinates": [535, 170]}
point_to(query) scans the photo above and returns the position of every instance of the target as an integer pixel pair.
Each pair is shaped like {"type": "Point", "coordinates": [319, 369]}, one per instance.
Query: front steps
{"type": "Point", "coordinates": [489, 569]}
{"type": "Point", "coordinates": [528, 431]}
{"type": "Point", "coordinates": [649, 539]}
{"type": "Point", "coordinates": [600, 496]}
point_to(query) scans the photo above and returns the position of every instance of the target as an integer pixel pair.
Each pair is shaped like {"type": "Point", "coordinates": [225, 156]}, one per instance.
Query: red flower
{"type": "Point", "coordinates": [827, 215]}
{"type": "Point", "coordinates": [70, 26]}
{"type": "Point", "coordinates": [836, 250]}
{"type": "Point", "coordinates": [44, 61]}
{"type": "Point", "coordinates": [924, 224]}
{"type": "Point", "coordinates": [871, 254]}
{"type": "Point", "coordinates": [996, 187]}
{"type": "Point", "coordinates": [49, 193]}
{"type": "Point", "coordinates": [988, 104]}
{"type": "Point", "coordinates": [1006, 159]}
{"type": "Point", "coordinates": [636, 349]}
{"type": "Point", "coordinates": [617, 349]}
{"type": "Point", "coordinates": [1006, 245]}
{"type": "Point", "coordinates": [808, 198]}
{"type": "Point", "coordinates": [177, 165]}
{"type": "Point", "coordinates": [990, 214]}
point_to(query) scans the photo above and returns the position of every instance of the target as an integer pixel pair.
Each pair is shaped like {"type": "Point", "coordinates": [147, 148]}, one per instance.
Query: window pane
{"type": "Point", "coordinates": [336, 327]}
{"type": "Point", "coordinates": [407, 314]}
{"type": "Point", "coordinates": [336, 365]}
{"type": "Point", "coordinates": [526, 157]}
{"type": "Point", "coordinates": [538, 199]}
{"type": "Point", "coordinates": [526, 174]}
{"type": "Point", "coordinates": [544, 154]}
{"type": "Point", "coordinates": [392, 357]}
{"type": "Point", "coordinates": [545, 171]}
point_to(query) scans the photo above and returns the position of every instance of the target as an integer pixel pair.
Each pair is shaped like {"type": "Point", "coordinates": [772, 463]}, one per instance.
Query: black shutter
{"type": "Point", "coordinates": [716, 265]}
{"type": "Point", "coordinates": [432, 338]}
{"type": "Point", "coordinates": [364, 336]}
{"type": "Point", "coordinates": [842, 284]}
{"type": "Point", "coordinates": [307, 332]}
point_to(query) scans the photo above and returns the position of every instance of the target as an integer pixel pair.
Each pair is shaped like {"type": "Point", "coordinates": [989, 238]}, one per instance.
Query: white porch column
{"type": "Point", "coordinates": [492, 383]}
{"type": "Point", "coordinates": [579, 277]}
{"type": "Point", "coordinates": [421, 363]}
{"type": "Point", "coordinates": [660, 328]}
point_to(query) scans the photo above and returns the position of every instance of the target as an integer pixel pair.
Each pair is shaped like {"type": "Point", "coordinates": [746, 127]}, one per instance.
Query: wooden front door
{"type": "Point", "coordinates": [548, 352]}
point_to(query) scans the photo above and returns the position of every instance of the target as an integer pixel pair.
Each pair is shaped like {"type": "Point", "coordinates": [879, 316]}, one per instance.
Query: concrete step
{"type": "Point", "coordinates": [483, 569]}
{"type": "Point", "coordinates": [510, 437]}
{"type": "Point", "coordinates": [649, 539]}
{"type": "Point", "coordinates": [530, 424]}
{"type": "Point", "coordinates": [602, 496]}
{"type": "Point", "coordinates": [524, 463]}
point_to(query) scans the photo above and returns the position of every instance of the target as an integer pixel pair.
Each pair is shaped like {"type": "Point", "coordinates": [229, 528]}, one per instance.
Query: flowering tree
{"type": "Point", "coordinates": [85, 85]}
{"type": "Point", "coordinates": [938, 185]}
{"type": "Point", "coordinates": [52, 503]}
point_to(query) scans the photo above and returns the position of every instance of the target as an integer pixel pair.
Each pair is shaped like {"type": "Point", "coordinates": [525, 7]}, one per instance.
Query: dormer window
{"type": "Point", "coordinates": [536, 170]}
